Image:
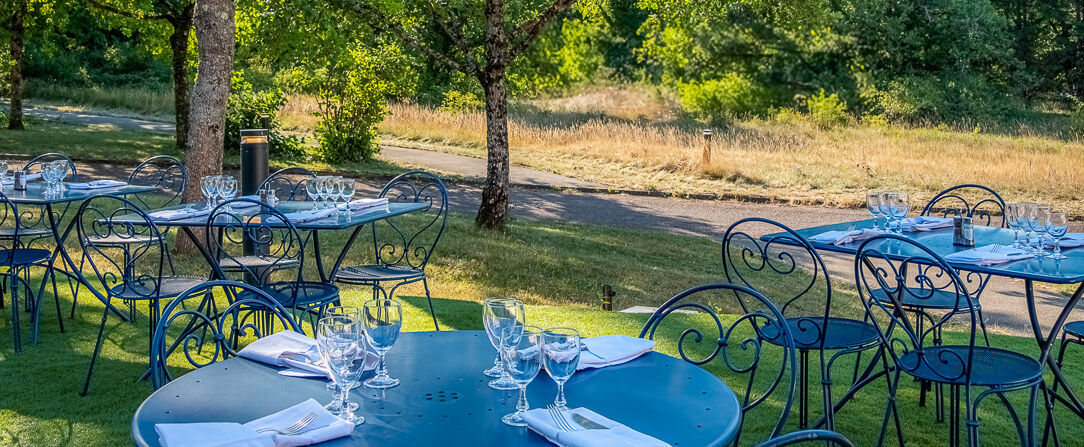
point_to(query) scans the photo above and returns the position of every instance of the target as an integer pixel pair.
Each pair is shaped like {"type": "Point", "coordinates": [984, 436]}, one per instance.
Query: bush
{"type": "Point", "coordinates": [1076, 120]}
{"type": "Point", "coordinates": [457, 102]}
{"type": "Point", "coordinates": [352, 99]}
{"type": "Point", "coordinates": [244, 110]}
{"type": "Point", "coordinates": [925, 100]}
{"type": "Point", "coordinates": [876, 121]}
{"type": "Point", "coordinates": [718, 100]}
{"type": "Point", "coordinates": [828, 111]}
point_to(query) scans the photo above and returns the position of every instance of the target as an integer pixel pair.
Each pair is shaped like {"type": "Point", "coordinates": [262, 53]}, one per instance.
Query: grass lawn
{"type": "Point", "coordinates": [556, 268]}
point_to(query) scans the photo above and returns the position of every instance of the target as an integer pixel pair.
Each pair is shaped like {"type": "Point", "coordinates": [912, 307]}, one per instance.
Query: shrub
{"type": "Point", "coordinates": [929, 99]}
{"type": "Point", "coordinates": [876, 121]}
{"type": "Point", "coordinates": [352, 99]}
{"type": "Point", "coordinates": [718, 100]}
{"type": "Point", "coordinates": [828, 111]}
{"type": "Point", "coordinates": [1076, 120]}
{"type": "Point", "coordinates": [244, 110]}
{"type": "Point", "coordinates": [456, 101]}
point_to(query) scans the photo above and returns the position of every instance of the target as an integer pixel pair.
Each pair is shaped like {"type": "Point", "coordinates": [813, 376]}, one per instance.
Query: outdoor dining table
{"type": "Point", "coordinates": [444, 398]}
{"type": "Point", "coordinates": [1031, 270]}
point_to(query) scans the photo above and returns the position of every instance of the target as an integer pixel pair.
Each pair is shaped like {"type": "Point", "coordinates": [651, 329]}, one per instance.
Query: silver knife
{"type": "Point", "coordinates": [587, 423]}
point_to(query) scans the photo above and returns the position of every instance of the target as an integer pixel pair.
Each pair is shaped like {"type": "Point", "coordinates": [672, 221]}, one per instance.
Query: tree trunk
{"type": "Point", "coordinates": [18, 30]}
{"type": "Point", "coordinates": [494, 208]}
{"type": "Point", "coordinates": [178, 44]}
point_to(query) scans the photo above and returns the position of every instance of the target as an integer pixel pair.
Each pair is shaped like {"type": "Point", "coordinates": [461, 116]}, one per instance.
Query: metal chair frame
{"type": "Point", "coordinates": [289, 189]}
{"type": "Point", "coordinates": [17, 274]}
{"type": "Point", "coordinates": [808, 436]}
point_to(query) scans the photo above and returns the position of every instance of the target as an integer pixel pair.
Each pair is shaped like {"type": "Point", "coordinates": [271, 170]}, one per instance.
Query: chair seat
{"type": "Point", "coordinates": [23, 256]}
{"type": "Point", "coordinates": [253, 262]}
{"type": "Point", "coordinates": [842, 333]}
{"type": "Point", "coordinates": [990, 367]}
{"type": "Point", "coordinates": [7, 233]}
{"type": "Point", "coordinates": [114, 240]}
{"type": "Point", "coordinates": [170, 287]}
{"type": "Point", "coordinates": [939, 299]}
{"type": "Point", "coordinates": [1075, 328]}
{"type": "Point", "coordinates": [377, 273]}
{"type": "Point", "coordinates": [308, 294]}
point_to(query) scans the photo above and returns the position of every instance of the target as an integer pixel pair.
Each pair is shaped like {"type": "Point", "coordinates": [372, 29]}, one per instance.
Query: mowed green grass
{"type": "Point", "coordinates": [556, 268]}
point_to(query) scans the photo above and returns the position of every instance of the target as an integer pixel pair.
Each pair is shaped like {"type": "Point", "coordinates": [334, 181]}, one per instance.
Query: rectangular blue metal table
{"type": "Point", "coordinates": [1066, 271]}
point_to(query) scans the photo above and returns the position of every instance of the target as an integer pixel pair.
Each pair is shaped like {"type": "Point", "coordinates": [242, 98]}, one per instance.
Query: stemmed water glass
{"type": "Point", "coordinates": [503, 319]}
{"type": "Point", "coordinates": [1057, 227]}
{"type": "Point", "coordinates": [1040, 222]}
{"type": "Point", "coordinates": [383, 319]}
{"type": "Point", "coordinates": [348, 189]}
{"type": "Point", "coordinates": [227, 188]}
{"type": "Point", "coordinates": [523, 360]}
{"type": "Point", "coordinates": [1012, 219]}
{"type": "Point", "coordinates": [347, 312]}
{"type": "Point", "coordinates": [884, 205]}
{"type": "Point", "coordinates": [900, 208]}
{"type": "Point", "coordinates": [341, 345]}
{"type": "Point", "coordinates": [321, 191]}
{"type": "Point", "coordinates": [209, 186]}
{"type": "Point", "coordinates": [873, 204]}
{"type": "Point", "coordinates": [3, 168]}
{"type": "Point", "coordinates": [561, 355]}
{"type": "Point", "coordinates": [334, 190]}
{"type": "Point", "coordinates": [312, 188]}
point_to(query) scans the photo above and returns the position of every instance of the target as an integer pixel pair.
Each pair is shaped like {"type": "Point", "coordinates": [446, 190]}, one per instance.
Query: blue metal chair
{"type": "Point", "coordinates": [725, 322]}
{"type": "Point", "coordinates": [264, 248]}
{"type": "Point", "coordinates": [289, 183]}
{"type": "Point", "coordinates": [881, 269]}
{"type": "Point", "coordinates": [203, 333]}
{"type": "Point", "coordinates": [402, 246]}
{"type": "Point", "coordinates": [36, 162]}
{"type": "Point", "coordinates": [1072, 333]}
{"type": "Point", "coordinates": [787, 269]}
{"type": "Point", "coordinates": [135, 272]}
{"type": "Point", "coordinates": [18, 260]}
{"type": "Point", "coordinates": [35, 225]}
{"type": "Point", "coordinates": [820, 437]}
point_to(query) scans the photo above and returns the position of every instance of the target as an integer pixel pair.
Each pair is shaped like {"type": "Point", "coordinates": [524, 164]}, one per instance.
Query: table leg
{"type": "Point", "coordinates": [1066, 396]}
{"type": "Point", "coordinates": [317, 255]}
{"type": "Point", "coordinates": [346, 249]}
{"type": "Point", "coordinates": [211, 261]}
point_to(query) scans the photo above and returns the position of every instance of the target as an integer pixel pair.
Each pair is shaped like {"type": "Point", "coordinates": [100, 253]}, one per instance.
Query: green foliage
{"type": "Point", "coordinates": [717, 100]}
{"type": "Point", "coordinates": [245, 110]}
{"type": "Point", "coordinates": [828, 111]}
{"type": "Point", "coordinates": [456, 101]}
{"type": "Point", "coordinates": [1076, 120]}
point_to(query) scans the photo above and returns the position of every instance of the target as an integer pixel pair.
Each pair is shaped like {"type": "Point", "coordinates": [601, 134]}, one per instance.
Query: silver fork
{"type": "Point", "coordinates": [852, 227]}
{"type": "Point", "coordinates": [559, 418]}
{"type": "Point", "coordinates": [294, 429]}
{"type": "Point", "coordinates": [996, 249]}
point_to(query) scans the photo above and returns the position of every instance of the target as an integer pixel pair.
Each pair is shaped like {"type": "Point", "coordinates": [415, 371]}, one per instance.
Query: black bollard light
{"type": "Point", "coordinates": [608, 297]}
{"type": "Point", "coordinates": [253, 159]}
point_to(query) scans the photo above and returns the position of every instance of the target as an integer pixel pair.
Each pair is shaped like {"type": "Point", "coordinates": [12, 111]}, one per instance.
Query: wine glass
{"type": "Point", "coordinates": [227, 189]}
{"type": "Point", "coordinates": [503, 319]}
{"type": "Point", "coordinates": [321, 191]}
{"type": "Point", "coordinates": [900, 208]}
{"type": "Point", "coordinates": [873, 204]}
{"type": "Point", "coordinates": [334, 190]}
{"type": "Point", "coordinates": [312, 188]}
{"type": "Point", "coordinates": [1041, 221]}
{"type": "Point", "coordinates": [523, 360]}
{"type": "Point", "coordinates": [349, 187]}
{"type": "Point", "coordinates": [1012, 219]}
{"type": "Point", "coordinates": [348, 312]}
{"type": "Point", "coordinates": [61, 171]}
{"type": "Point", "coordinates": [886, 199]}
{"type": "Point", "coordinates": [561, 355]}
{"type": "Point", "coordinates": [383, 318]}
{"type": "Point", "coordinates": [341, 345]}
{"type": "Point", "coordinates": [3, 168]}
{"type": "Point", "coordinates": [209, 186]}
{"type": "Point", "coordinates": [1057, 226]}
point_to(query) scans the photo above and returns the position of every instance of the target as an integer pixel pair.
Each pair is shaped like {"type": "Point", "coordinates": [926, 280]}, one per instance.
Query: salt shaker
{"type": "Point", "coordinates": [963, 230]}
{"type": "Point", "coordinates": [19, 182]}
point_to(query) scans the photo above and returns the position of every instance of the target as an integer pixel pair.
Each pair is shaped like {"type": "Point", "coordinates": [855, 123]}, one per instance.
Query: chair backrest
{"type": "Point", "coordinates": [276, 244]}
{"type": "Point", "coordinates": [165, 172]}
{"type": "Point", "coordinates": [785, 268]}
{"type": "Point", "coordinates": [809, 437]}
{"type": "Point", "coordinates": [981, 203]}
{"type": "Point", "coordinates": [289, 183]}
{"type": "Point", "coordinates": [191, 332]}
{"type": "Point", "coordinates": [36, 162]}
{"type": "Point", "coordinates": [885, 272]}
{"type": "Point", "coordinates": [10, 225]}
{"type": "Point", "coordinates": [133, 268]}
{"type": "Point", "coordinates": [728, 323]}
{"type": "Point", "coordinates": [409, 240]}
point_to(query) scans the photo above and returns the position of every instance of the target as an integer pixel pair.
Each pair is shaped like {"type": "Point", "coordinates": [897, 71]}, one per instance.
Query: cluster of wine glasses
{"type": "Point", "coordinates": [218, 188]}
{"type": "Point", "coordinates": [893, 206]}
{"type": "Point", "coordinates": [522, 351]}
{"type": "Point", "coordinates": [343, 337]}
{"type": "Point", "coordinates": [327, 190]}
{"type": "Point", "coordinates": [53, 173]}
{"type": "Point", "coordinates": [1040, 224]}
{"type": "Point", "coordinates": [3, 169]}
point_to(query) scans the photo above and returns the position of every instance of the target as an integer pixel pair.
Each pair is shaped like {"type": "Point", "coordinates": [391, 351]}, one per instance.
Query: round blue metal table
{"type": "Point", "coordinates": [443, 399]}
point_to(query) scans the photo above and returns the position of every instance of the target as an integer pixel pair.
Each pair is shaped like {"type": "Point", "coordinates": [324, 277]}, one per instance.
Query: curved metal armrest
{"type": "Point", "coordinates": [807, 436]}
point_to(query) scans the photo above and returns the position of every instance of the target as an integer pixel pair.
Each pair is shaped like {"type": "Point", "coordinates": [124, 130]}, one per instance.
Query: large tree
{"type": "Point", "coordinates": [180, 15]}
{"type": "Point", "coordinates": [215, 33]}
{"type": "Point", "coordinates": [17, 29]}
{"type": "Point", "coordinates": [479, 38]}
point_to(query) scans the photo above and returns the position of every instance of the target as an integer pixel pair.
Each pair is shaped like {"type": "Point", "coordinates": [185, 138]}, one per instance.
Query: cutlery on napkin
{"type": "Point", "coordinates": [262, 432]}
{"type": "Point", "coordinates": [308, 215]}
{"type": "Point", "coordinates": [925, 223]}
{"type": "Point", "coordinates": [177, 214]}
{"type": "Point", "coordinates": [839, 237]}
{"type": "Point", "coordinates": [589, 429]}
{"type": "Point", "coordinates": [97, 184]}
{"type": "Point", "coordinates": [989, 255]}
{"type": "Point", "coordinates": [294, 351]}
{"type": "Point", "coordinates": [1070, 240]}
{"type": "Point", "coordinates": [365, 204]}
{"type": "Point", "coordinates": [610, 350]}
{"type": "Point", "coordinates": [325, 426]}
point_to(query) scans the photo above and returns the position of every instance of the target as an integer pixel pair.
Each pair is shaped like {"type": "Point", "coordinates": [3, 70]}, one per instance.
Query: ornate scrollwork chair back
{"type": "Point", "coordinates": [36, 162]}
{"type": "Point", "coordinates": [289, 183]}
{"type": "Point", "coordinates": [133, 270]}
{"type": "Point", "coordinates": [165, 172]}
{"type": "Point", "coordinates": [409, 242]}
{"type": "Point", "coordinates": [719, 327]}
{"type": "Point", "coordinates": [984, 205]}
{"type": "Point", "coordinates": [194, 334]}
{"type": "Point", "coordinates": [277, 246]}
{"type": "Point", "coordinates": [809, 437]}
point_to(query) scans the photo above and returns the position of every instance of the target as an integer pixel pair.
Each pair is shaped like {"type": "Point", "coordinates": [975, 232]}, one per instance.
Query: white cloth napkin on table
{"type": "Point", "coordinates": [324, 427]}
{"type": "Point", "coordinates": [1071, 240]}
{"type": "Point", "coordinates": [308, 215]}
{"type": "Point", "coordinates": [610, 350]}
{"type": "Point", "coordinates": [211, 434]}
{"type": "Point", "coordinates": [839, 237]}
{"type": "Point", "coordinates": [97, 184]}
{"type": "Point", "coordinates": [286, 348]}
{"type": "Point", "coordinates": [365, 204]}
{"type": "Point", "coordinates": [615, 434]}
{"type": "Point", "coordinates": [989, 255]}
{"type": "Point", "coordinates": [925, 223]}
{"type": "Point", "coordinates": [180, 213]}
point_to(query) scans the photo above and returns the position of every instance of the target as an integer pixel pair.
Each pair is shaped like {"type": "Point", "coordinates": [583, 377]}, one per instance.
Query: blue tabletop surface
{"type": "Point", "coordinates": [444, 400]}
{"type": "Point", "coordinates": [1066, 271]}
{"type": "Point", "coordinates": [327, 223]}
{"type": "Point", "coordinates": [34, 194]}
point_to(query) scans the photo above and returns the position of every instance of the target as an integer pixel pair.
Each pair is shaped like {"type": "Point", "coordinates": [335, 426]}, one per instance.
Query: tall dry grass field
{"type": "Point", "coordinates": [601, 137]}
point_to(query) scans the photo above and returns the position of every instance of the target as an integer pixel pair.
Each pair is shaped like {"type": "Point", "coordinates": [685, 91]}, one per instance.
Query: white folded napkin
{"type": "Point", "coordinates": [925, 223]}
{"type": "Point", "coordinates": [1070, 240]}
{"type": "Point", "coordinates": [10, 179]}
{"type": "Point", "coordinates": [294, 350]}
{"type": "Point", "coordinates": [211, 434]}
{"type": "Point", "coordinates": [325, 427]}
{"type": "Point", "coordinates": [839, 237]}
{"type": "Point", "coordinates": [541, 421]}
{"type": "Point", "coordinates": [989, 255]}
{"type": "Point", "coordinates": [97, 184]}
{"type": "Point", "coordinates": [180, 213]}
{"type": "Point", "coordinates": [308, 215]}
{"type": "Point", "coordinates": [365, 204]}
{"type": "Point", "coordinates": [610, 350]}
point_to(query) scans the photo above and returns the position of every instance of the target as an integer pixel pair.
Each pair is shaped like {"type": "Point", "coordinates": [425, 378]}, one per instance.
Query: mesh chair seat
{"type": "Point", "coordinates": [1075, 328]}
{"type": "Point", "coordinates": [116, 240]}
{"type": "Point", "coordinates": [939, 299]}
{"type": "Point", "coordinates": [169, 287]}
{"type": "Point", "coordinates": [365, 274]}
{"type": "Point", "coordinates": [23, 256]}
{"type": "Point", "coordinates": [842, 333]}
{"type": "Point", "coordinates": [8, 233]}
{"type": "Point", "coordinates": [990, 366]}
{"type": "Point", "coordinates": [308, 294]}
{"type": "Point", "coordinates": [241, 263]}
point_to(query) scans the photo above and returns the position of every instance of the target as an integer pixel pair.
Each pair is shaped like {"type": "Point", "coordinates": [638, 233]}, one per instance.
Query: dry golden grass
{"type": "Point", "coordinates": [299, 113]}
{"type": "Point", "coordinates": [608, 137]}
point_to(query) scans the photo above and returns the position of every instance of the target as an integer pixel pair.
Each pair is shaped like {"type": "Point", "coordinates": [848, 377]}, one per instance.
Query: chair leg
{"type": "Point", "coordinates": [56, 299]}
{"type": "Point", "coordinates": [803, 388]}
{"type": "Point", "coordinates": [97, 349]}
{"type": "Point", "coordinates": [982, 325]}
{"type": "Point", "coordinates": [16, 330]}
{"type": "Point", "coordinates": [826, 395]}
{"type": "Point", "coordinates": [892, 381]}
{"type": "Point", "coordinates": [78, 285]}
{"type": "Point", "coordinates": [425, 284]}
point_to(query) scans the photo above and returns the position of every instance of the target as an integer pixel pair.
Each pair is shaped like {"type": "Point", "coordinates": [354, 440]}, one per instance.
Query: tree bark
{"type": "Point", "coordinates": [178, 44]}
{"type": "Point", "coordinates": [494, 208]}
{"type": "Point", "coordinates": [18, 30]}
